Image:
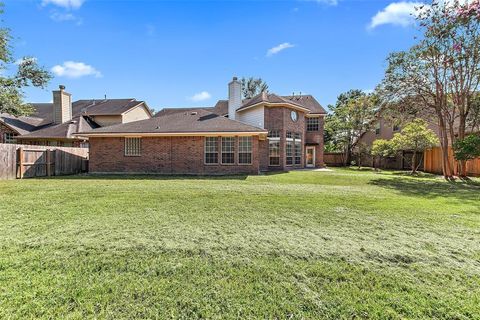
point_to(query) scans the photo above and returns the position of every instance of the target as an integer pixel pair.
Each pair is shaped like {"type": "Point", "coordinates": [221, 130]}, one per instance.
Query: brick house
{"type": "Point", "coordinates": [55, 124]}
{"type": "Point", "coordinates": [265, 133]}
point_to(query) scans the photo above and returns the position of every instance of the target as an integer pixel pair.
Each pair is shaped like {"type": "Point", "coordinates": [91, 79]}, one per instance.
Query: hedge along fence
{"type": "Point", "coordinates": [433, 162]}
{"type": "Point", "coordinates": [24, 161]}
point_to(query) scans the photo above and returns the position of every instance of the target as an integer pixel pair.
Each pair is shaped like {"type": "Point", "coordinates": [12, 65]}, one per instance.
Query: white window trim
{"type": "Point", "coordinates": [251, 152]}
{"type": "Point", "coordinates": [205, 152]}
{"type": "Point", "coordinates": [221, 152]}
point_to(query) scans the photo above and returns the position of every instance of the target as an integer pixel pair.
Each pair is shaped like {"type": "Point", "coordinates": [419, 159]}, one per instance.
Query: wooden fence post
{"type": "Point", "coordinates": [20, 162]}
{"type": "Point", "coordinates": [49, 173]}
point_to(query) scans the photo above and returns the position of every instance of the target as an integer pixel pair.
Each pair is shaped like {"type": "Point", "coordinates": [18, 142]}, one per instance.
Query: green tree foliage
{"type": "Point", "coordinates": [252, 87]}
{"type": "Point", "coordinates": [416, 137]}
{"type": "Point", "coordinates": [382, 148]}
{"type": "Point", "coordinates": [352, 116]}
{"type": "Point", "coordinates": [439, 77]}
{"type": "Point", "coordinates": [468, 148]}
{"type": "Point", "coordinates": [28, 74]}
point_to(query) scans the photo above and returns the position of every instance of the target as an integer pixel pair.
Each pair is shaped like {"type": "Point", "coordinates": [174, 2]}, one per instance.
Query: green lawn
{"type": "Point", "coordinates": [342, 244]}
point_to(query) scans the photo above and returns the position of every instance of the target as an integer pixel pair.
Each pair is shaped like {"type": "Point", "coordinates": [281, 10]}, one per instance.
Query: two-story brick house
{"type": "Point", "coordinates": [265, 133]}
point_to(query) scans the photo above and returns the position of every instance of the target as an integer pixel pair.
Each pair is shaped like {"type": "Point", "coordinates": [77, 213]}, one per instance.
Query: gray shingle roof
{"type": "Point", "coordinates": [62, 131]}
{"type": "Point", "coordinates": [170, 111]}
{"type": "Point", "coordinates": [198, 121]}
{"type": "Point", "coordinates": [22, 125]}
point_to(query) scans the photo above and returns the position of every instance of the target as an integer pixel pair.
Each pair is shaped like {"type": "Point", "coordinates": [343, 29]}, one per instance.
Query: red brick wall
{"type": "Point", "coordinates": [278, 118]}
{"type": "Point", "coordinates": [317, 139]}
{"type": "Point", "coordinates": [165, 155]}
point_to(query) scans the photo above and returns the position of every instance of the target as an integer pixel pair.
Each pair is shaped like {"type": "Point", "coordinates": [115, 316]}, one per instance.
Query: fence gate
{"type": "Point", "coordinates": [23, 161]}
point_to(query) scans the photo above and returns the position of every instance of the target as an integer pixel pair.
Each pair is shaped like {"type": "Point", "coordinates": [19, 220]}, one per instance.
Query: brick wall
{"type": "Point", "coordinates": [164, 155]}
{"type": "Point", "coordinates": [278, 118]}
{"type": "Point", "coordinates": [316, 138]}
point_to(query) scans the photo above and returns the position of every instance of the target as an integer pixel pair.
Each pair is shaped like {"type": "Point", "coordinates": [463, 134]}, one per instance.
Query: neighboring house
{"type": "Point", "coordinates": [55, 124]}
{"type": "Point", "coordinates": [265, 133]}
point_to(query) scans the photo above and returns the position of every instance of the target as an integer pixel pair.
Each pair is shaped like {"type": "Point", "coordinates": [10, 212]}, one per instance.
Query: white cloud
{"type": "Point", "coordinates": [72, 69]}
{"type": "Point", "coordinates": [68, 4]}
{"type": "Point", "coordinates": [61, 17]}
{"type": "Point", "coordinates": [201, 96]}
{"type": "Point", "coordinates": [396, 13]}
{"type": "Point", "coordinates": [279, 48]}
{"type": "Point", "coordinates": [327, 2]}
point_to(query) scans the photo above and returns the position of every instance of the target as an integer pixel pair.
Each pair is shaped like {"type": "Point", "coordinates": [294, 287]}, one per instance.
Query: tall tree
{"type": "Point", "coordinates": [252, 87]}
{"type": "Point", "coordinates": [439, 77]}
{"type": "Point", "coordinates": [28, 73]}
{"type": "Point", "coordinates": [353, 115]}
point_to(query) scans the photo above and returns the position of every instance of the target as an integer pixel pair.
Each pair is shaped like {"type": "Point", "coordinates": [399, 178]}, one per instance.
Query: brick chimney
{"type": "Point", "coordinates": [234, 97]}
{"type": "Point", "coordinates": [62, 105]}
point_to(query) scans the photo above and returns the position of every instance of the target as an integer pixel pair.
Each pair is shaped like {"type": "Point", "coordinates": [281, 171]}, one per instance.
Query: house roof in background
{"type": "Point", "coordinates": [21, 124]}
{"type": "Point", "coordinates": [62, 131]}
{"type": "Point", "coordinates": [221, 107]}
{"type": "Point", "coordinates": [187, 122]}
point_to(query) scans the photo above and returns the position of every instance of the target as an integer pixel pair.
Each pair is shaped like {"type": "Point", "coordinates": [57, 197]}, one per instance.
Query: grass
{"type": "Point", "coordinates": [335, 245]}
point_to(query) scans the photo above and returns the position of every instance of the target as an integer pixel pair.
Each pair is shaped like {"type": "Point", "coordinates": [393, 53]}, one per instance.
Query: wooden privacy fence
{"type": "Point", "coordinates": [333, 158]}
{"type": "Point", "coordinates": [23, 161]}
{"type": "Point", "coordinates": [433, 162]}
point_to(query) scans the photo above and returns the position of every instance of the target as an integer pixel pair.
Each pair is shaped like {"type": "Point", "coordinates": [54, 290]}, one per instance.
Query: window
{"type": "Point", "coordinates": [274, 147]}
{"type": "Point", "coordinates": [377, 128]}
{"type": "Point", "coordinates": [298, 149]}
{"type": "Point", "coordinates": [211, 150]}
{"type": "Point", "coordinates": [245, 150]}
{"type": "Point", "coordinates": [9, 137]}
{"type": "Point", "coordinates": [313, 124]}
{"type": "Point", "coordinates": [132, 147]}
{"type": "Point", "coordinates": [274, 152]}
{"type": "Point", "coordinates": [228, 150]}
{"type": "Point", "coordinates": [289, 148]}
{"type": "Point", "coordinates": [274, 134]}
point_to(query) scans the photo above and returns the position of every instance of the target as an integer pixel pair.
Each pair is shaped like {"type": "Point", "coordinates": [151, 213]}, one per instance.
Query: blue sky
{"type": "Point", "coordinates": [183, 53]}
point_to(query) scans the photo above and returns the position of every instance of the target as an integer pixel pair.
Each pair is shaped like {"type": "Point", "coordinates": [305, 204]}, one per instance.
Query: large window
{"type": "Point", "coordinates": [245, 150]}
{"type": "Point", "coordinates": [289, 148]}
{"type": "Point", "coordinates": [9, 137]}
{"type": "Point", "coordinates": [274, 148]}
{"type": "Point", "coordinates": [132, 147]}
{"type": "Point", "coordinates": [228, 150]}
{"type": "Point", "coordinates": [313, 124]}
{"type": "Point", "coordinates": [298, 149]}
{"type": "Point", "coordinates": [211, 150]}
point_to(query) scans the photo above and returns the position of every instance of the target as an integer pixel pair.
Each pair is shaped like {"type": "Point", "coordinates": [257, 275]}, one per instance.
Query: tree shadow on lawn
{"type": "Point", "coordinates": [430, 188]}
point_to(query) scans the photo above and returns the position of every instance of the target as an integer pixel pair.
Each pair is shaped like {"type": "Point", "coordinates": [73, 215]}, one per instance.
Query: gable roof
{"type": "Point", "coordinates": [62, 131]}
{"type": "Point", "coordinates": [22, 124]}
{"type": "Point", "coordinates": [183, 123]}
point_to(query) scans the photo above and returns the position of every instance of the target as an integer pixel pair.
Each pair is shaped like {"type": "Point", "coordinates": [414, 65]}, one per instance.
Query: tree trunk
{"type": "Point", "coordinates": [446, 168]}
{"type": "Point", "coordinates": [414, 163]}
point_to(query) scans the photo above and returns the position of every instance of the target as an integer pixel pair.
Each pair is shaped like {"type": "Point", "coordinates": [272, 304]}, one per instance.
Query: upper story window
{"type": "Point", "coordinates": [245, 150]}
{"type": "Point", "coordinates": [9, 137]}
{"type": "Point", "coordinates": [313, 124]}
{"type": "Point", "coordinates": [211, 150]}
{"type": "Point", "coordinates": [274, 134]}
{"type": "Point", "coordinates": [228, 150]}
{"type": "Point", "coordinates": [132, 147]}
